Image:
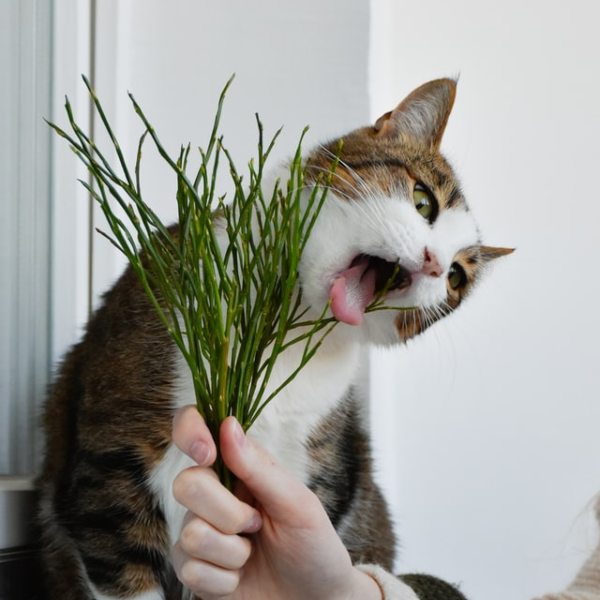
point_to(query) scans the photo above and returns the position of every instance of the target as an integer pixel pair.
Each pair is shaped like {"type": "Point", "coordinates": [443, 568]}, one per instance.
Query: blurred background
{"type": "Point", "coordinates": [486, 428]}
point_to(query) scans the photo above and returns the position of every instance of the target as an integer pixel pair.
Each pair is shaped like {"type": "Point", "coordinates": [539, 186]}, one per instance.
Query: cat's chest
{"type": "Point", "coordinates": [286, 423]}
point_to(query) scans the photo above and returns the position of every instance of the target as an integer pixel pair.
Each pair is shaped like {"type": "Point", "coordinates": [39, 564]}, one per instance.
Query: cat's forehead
{"type": "Point", "coordinates": [388, 167]}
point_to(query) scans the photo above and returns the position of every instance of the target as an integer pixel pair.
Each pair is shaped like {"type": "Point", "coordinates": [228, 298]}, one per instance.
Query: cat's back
{"type": "Point", "coordinates": [114, 386]}
{"type": "Point", "coordinates": [107, 422]}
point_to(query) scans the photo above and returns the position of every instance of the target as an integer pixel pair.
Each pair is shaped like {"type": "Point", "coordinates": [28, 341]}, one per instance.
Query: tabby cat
{"type": "Point", "coordinates": [107, 514]}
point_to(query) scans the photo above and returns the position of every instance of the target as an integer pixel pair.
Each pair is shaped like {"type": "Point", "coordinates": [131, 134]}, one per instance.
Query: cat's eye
{"type": "Point", "coordinates": [457, 277]}
{"type": "Point", "coordinates": [425, 202]}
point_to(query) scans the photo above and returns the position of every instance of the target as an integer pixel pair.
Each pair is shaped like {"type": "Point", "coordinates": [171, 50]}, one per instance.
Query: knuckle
{"type": "Point", "coordinates": [181, 485]}
{"type": "Point", "coordinates": [239, 553]}
{"type": "Point", "coordinates": [239, 520]}
{"type": "Point", "coordinates": [201, 581]}
{"type": "Point", "coordinates": [181, 416]}
{"type": "Point", "coordinates": [189, 576]}
{"type": "Point", "coordinates": [245, 552]}
{"type": "Point", "coordinates": [194, 536]}
{"type": "Point", "coordinates": [187, 485]}
{"type": "Point", "coordinates": [232, 582]}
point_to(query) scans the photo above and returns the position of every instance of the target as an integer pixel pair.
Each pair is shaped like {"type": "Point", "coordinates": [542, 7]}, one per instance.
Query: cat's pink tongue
{"type": "Point", "coordinates": [351, 292]}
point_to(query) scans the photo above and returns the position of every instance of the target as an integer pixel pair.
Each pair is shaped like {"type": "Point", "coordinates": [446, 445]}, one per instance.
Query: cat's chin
{"type": "Point", "coordinates": [378, 329]}
{"type": "Point", "coordinates": [405, 314]}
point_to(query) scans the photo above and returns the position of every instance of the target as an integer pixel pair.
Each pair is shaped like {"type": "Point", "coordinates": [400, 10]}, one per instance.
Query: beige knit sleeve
{"type": "Point", "coordinates": [391, 587]}
{"type": "Point", "coordinates": [586, 585]}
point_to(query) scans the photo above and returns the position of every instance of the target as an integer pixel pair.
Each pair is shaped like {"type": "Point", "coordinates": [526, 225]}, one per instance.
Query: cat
{"type": "Point", "coordinates": [106, 511]}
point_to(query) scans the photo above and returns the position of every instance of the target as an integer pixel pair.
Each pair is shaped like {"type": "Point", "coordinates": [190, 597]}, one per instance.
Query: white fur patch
{"type": "Point", "coordinates": [152, 595]}
{"type": "Point", "coordinates": [286, 423]}
{"type": "Point", "coordinates": [155, 594]}
{"type": "Point", "coordinates": [454, 230]}
{"type": "Point", "coordinates": [161, 483]}
{"type": "Point", "coordinates": [174, 461]}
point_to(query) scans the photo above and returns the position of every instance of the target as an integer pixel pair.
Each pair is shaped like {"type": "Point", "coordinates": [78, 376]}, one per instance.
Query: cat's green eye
{"type": "Point", "coordinates": [425, 202]}
{"type": "Point", "coordinates": [457, 277]}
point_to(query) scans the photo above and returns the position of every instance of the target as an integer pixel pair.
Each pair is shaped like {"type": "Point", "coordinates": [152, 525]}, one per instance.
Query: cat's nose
{"type": "Point", "coordinates": [431, 266]}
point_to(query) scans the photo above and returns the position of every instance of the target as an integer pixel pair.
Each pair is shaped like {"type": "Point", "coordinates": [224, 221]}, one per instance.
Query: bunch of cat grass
{"type": "Point", "coordinates": [230, 307]}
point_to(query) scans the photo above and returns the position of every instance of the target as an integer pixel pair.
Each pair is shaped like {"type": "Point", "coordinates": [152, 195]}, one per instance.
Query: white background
{"type": "Point", "coordinates": [25, 65]}
{"type": "Point", "coordinates": [489, 424]}
{"type": "Point", "coordinates": [176, 57]}
{"type": "Point", "coordinates": [486, 428]}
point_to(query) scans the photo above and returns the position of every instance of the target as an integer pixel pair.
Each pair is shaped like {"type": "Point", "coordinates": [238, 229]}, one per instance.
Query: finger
{"type": "Point", "coordinates": [200, 491]}
{"type": "Point", "coordinates": [192, 436]}
{"type": "Point", "coordinates": [201, 541]}
{"type": "Point", "coordinates": [202, 578]}
{"type": "Point", "coordinates": [283, 497]}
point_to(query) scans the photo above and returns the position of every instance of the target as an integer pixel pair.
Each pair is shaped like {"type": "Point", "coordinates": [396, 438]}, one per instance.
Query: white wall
{"type": "Point", "coordinates": [488, 425]}
{"type": "Point", "coordinates": [71, 238]}
{"type": "Point", "coordinates": [25, 28]}
{"type": "Point", "coordinates": [293, 67]}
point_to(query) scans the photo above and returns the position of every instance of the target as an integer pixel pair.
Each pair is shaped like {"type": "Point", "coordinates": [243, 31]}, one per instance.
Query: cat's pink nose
{"type": "Point", "coordinates": [431, 266]}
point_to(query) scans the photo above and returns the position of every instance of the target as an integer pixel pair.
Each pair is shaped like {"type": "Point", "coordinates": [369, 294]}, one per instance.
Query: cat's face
{"type": "Point", "coordinates": [395, 206]}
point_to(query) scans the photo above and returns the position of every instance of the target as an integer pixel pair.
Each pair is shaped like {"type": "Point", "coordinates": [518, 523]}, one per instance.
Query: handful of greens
{"type": "Point", "coordinates": [232, 304]}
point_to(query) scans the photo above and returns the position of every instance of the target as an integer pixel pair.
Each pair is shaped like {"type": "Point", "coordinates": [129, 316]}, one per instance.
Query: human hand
{"type": "Point", "coordinates": [272, 540]}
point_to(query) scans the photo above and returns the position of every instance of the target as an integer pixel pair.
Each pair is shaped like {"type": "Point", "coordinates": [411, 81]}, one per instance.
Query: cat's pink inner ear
{"type": "Point", "coordinates": [383, 125]}
{"type": "Point", "coordinates": [422, 115]}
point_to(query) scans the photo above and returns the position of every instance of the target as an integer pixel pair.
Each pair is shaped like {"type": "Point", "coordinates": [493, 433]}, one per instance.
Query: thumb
{"type": "Point", "coordinates": [192, 436]}
{"type": "Point", "coordinates": [283, 497]}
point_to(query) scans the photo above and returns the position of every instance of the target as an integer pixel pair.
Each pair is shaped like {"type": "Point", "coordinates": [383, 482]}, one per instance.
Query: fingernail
{"type": "Point", "coordinates": [239, 435]}
{"type": "Point", "coordinates": [200, 452]}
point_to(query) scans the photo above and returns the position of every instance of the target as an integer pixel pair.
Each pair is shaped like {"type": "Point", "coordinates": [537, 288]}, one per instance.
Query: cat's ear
{"type": "Point", "coordinates": [423, 114]}
{"type": "Point", "coordinates": [489, 253]}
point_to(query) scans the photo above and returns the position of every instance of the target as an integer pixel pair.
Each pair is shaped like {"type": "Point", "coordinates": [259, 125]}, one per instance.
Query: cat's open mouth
{"type": "Point", "coordinates": [354, 288]}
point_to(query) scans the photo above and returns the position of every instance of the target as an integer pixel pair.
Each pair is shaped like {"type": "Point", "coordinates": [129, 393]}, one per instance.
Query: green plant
{"type": "Point", "coordinates": [224, 282]}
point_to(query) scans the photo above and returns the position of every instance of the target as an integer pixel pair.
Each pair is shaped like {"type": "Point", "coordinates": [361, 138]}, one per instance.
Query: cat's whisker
{"type": "Point", "coordinates": [418, 323]}
{"type": "Point", "coordinates": [438, 310]}
{"type": "Point", "coordinates": [350, 170]}
{"type": "Point", "coordinates": [444, 308]}
{"type": "Point", "coordinates": [428, 318]}
{"type": "Point", "coordinates": [365, 194]}
{"type": "Point", "coordinates": [370, 219]}
{"type": "Point", "coordinates": [374, 197]}
{"type": "Point", "coordinates": [438, 334]}
{"type": "Point", "coordinates": [364, 191]}
{"type": "Point", "coordinates": [369, 192]}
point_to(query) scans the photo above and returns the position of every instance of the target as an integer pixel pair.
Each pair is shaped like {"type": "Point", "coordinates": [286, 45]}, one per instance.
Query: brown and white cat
{"type": "Point", "coordinates": [107, 513]}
